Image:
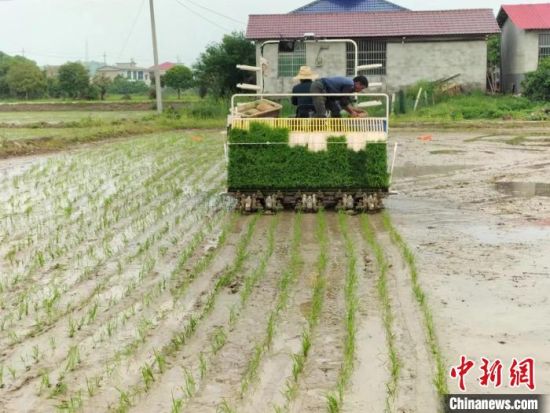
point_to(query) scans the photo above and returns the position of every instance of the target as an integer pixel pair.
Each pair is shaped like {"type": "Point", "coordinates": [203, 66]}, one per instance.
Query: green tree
{"type": "Point", "coordinates": [25, 79]}
{"type": "Point", "coordinates": [73, 80]}
{"type": "Point", "coordinates": [5, 61]}
{"type": "Point", "coordinates": [102, 83]}
{"type": "Point", "coordinates": [536, 85]}
{"type": "Point", "coordinates": [493, 51]}
{"type": "Point", "coordinates": [179, 77]}
{"type": "Point", "coordinates": [215, 68]}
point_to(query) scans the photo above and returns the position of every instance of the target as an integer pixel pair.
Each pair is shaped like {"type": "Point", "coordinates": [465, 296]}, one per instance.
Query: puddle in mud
{"type": "Point", "coordinates": [410, 170]}
{"type": "Point", "coordinates": [523, 189]}
{"type": "Point", "coordinates": [490, 235]}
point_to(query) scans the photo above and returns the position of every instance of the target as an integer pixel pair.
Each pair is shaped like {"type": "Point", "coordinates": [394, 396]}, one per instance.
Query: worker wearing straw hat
{"type": "Point", "coordinates": [304, 105]}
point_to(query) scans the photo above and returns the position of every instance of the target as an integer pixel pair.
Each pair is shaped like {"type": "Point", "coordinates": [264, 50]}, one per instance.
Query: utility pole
{"type": "Point", "coordinates": [156, 58]}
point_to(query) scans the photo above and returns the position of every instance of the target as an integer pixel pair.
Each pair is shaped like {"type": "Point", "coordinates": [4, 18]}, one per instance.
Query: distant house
{"type": "Point", "coordinates": [129, 71]}
{"type": "Point", "coordinates": [410, 45]}
{"type": "Point", "coordinates": [525, 41]}
{"type": "Point", "coordinates": [51, 71]}
{"type": "Point", "coordinates": [163, 68]}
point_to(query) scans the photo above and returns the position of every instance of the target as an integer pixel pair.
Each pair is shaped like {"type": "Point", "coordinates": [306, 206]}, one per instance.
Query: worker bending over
{"type": "Point", "coordinates": [335, 85]}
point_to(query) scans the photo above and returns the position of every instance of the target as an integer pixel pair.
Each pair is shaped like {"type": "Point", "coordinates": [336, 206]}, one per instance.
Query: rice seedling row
{"type": "Point", "coordinates": [299, 358]}
{"type": "Point", "coordinates": [152, 216]}
{"type": "Point", "coordinates": [192, 321]}
{"type": "Point", "coordinates": [387, 312]}
{"type": "Point", "coordinates": [146, 257]}
{"type": "Point", "coordinates": [197, 368]}
{"type": "Point", "coordinates": [335, 399]}
{"type": "Point", "coordinates": [439, 379]}
{"type": "Point", "coordinates": [102, 218]}
{"type": "Point", "coordinates": [140, 293]}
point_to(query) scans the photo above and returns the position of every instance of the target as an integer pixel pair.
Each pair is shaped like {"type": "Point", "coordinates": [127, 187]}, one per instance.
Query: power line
{"type": "Point", "coordinates": [214, 12]}
{"type": "Point", "coordinates": [132, 29]}
{"type": "Point", "coordinates": [225, 29]}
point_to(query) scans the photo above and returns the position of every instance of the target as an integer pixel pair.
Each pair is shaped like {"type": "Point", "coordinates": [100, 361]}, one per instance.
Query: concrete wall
{"type": "Point", "coordinates": [519, 55]}
{"type": "Point", "coordinates": [330, 61]}
{"type": "Point", "coordinates": [407, 63]}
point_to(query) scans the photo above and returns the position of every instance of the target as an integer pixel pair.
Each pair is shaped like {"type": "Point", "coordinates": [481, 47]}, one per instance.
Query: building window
{"type": "Point", "coordinates": [140, 75]}
{"type": "Point", "coordinates": [292, 55]}
{"type": "Point", "coordinates": [544, 46]}
{"type": "Point", "coordinates": [129, 74]}
{"type": "Point", "coordinates": [370, 52]}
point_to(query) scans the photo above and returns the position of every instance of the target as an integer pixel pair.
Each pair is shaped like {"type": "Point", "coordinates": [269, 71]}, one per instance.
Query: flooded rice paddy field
{"type": "Point", "coordinates": [128, 284]}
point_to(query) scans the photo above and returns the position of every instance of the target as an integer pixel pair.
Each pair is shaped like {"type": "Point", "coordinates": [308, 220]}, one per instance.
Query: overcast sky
{"type": "Point", "coordinates": [56, 31]}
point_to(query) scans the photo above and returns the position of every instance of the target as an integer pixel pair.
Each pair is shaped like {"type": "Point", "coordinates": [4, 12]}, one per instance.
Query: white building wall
{"type": "Point", "coordinates": [406, 62]}
{"type": "Point", "coordinates": [519, 55]}
{"type": "Point", "coordinates": [325, 59]}
{"type": "Point", "coordinates": [409, 62]}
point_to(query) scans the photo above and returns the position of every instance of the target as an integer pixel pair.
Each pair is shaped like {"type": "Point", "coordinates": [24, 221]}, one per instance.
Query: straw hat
{"type": "Point", "coordinates": [306, 73]}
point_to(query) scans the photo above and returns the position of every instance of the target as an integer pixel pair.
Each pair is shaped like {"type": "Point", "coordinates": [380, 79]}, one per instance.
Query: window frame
{"type": "Point", "coordinates": [377, 54]}
{"type": "Point", "coordinates": [544, 44]}
{"type": "Point", "coordinates": [289, 62]}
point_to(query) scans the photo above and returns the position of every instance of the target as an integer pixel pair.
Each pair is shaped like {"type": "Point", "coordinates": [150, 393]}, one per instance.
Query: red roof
{"type": "Point", "coordinates": [164, 66]}
{"type": "Point", "coordinates": [372, 24]}
{"type": "Point", "coordinates": [526, 16]}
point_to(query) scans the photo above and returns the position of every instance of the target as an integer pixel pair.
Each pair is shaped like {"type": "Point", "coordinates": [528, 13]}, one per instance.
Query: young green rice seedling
{"type": "Point", "coordinates": [72, 327]}
{"type": "Point", "coordinates": [92, 313]}
{"type": "Point", "coordinates": [333, 404]}
{"type": "Point", "coordinates": [52, 343]}
{"type": "Point", "coordinates": [190, 384]}
{"type": "Point", "coordinates": [45, 383]}
{"type": "Point", "coordinates": [12, 372]}
{"type": "Point", "coordinates": [202, 365]}
{"type": "Point", "coordinates": [160, 360]}
{"type": "Point", "coordinates": [92, 385]}
{"type": "Point", "coordinates": [218, 340]}
{"type": "Point", "coordinates": [147, 376]}
{"type": "Point", "coordinates": [177, 405]}
{"type": "Point", "coordinates": [60, 387]}
{"type": "Point", "coordinates": [73, 358]}
{"type": "Point", "coordinates": [225, 407]}
{"type": "Point", "coordinates": [35, 354]}
{"type": "Point", "coordinates": [124, 402]}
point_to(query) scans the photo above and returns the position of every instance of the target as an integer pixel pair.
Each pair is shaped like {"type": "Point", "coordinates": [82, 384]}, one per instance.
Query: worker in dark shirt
{"type": "Point", "coordinates": [337, 84]}
{"type": "Point", "coordinates": [304, 104]}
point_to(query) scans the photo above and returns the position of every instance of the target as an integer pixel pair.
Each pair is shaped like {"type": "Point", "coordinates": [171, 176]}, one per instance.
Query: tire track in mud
{"type": "Point", "coordinates": [221, 378]}
{"type": "Point", "coordinates": [415, 391]}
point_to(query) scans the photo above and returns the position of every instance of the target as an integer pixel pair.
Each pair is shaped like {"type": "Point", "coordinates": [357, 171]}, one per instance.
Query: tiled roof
{"type": "Point", "coordinates": [526, 16]}
{"type": "Point", "coordinates": [164, 66]}
{"type": "Point", "coordinates": [372, 24]}
{"type": "Point", "coordinates": [340, 6]}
